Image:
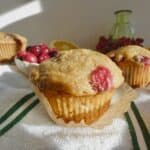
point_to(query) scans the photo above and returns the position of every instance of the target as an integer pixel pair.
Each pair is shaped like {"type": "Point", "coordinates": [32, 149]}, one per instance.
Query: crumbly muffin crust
{"type": "Point", "coordinates": [70, 72]}
{"type": "Point", "coordinates": [128, 53]}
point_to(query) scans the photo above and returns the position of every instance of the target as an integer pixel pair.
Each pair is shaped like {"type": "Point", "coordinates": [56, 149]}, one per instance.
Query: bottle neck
{"type": "Point", "coordinates": [122, 18]}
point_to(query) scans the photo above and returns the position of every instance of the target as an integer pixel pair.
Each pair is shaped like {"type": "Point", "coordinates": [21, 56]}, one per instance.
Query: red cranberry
{"type": "Point", "coordinates": [138, 58]}
{"type": "Point", "coordinates": [44, 51]}
{"type": "Point", "coordinates": [30, 57]}
{"type": "Point", "coordinates": [53, 53]}
{"type": "Point", "coordinates": [21, 54]}
{"type": "Point", "coordinates": [139, 40]}
{"type": "Point", "coordinates": [101, 79]}
{"type": "Point", "coordinates": [146, 60]}
{"type": "Point", "coordinates": [143, 59]}
{"type": "Point", "coordinates": [44, 48]}
{"type": "Point", "coordinates": [43, 57]}
{"type": "Point", "coordinates": [36, 50]}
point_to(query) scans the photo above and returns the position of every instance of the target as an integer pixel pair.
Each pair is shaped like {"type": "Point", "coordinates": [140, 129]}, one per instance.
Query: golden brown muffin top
{"type": "Point", "coordinates": [13, 38]}
{"type": "Point", "coordinates": [70, 72]}
{"type": "Point", "coordinates": [128, 53]}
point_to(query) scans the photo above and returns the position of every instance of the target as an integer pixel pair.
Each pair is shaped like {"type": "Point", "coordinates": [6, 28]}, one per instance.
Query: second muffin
{"type": "Point", "coordinates": [10, 44]}
{"type": "Point", "coordinates": [135, 64]}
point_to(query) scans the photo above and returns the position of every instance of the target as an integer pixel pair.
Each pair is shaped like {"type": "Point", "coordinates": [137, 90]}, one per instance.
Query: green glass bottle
{"type": "Point", "coordinates": [122, 26]}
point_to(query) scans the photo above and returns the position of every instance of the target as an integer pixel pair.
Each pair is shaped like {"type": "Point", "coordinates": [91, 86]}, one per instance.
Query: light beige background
{"type": "Point", "coordinates": [81, 21]}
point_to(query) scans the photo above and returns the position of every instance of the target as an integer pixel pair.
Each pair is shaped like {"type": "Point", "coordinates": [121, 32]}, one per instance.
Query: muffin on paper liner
{"type": "Point", "coordinates": [64, 108]}
{"type": "Point", "coordinates": [136, 75]}
{"type": "Point", "coordinates": [134, 61]}
{"type": "Point", "coordinates": [10, 44]}
{"type": "Point", "coordinates": [74, 92]}
{"type": "Point", "coordinates": [119, 104]}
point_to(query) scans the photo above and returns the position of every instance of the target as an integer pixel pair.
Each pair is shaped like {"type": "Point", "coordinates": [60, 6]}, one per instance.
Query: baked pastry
{"type": "Point", "coordinates": [77, 85]}
{"type": "Point", "coordinates": [10, 44]}
{"type": "Point", "coordinates": [135, 64]}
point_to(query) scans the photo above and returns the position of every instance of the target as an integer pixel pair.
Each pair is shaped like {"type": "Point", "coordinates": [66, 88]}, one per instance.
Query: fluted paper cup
{"type": "Point", "coordinates": [65, 109]}
{"type": "Point", "coordinates": [136, 74]}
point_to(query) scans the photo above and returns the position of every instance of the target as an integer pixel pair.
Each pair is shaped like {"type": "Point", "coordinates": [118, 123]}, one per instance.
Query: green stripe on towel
{"type": "Point", "coordinates": [142, 125]}
{"type": "Point", "coordinates": [19, 117]}
{"type": "Point", "coordinates": [15, 107]}
{"type": "Point", "coordinates": [132, 132]}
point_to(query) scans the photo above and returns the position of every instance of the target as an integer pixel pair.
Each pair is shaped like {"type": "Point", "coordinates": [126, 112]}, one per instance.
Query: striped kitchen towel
{"type": "Point", "coordinates": [25, 125]}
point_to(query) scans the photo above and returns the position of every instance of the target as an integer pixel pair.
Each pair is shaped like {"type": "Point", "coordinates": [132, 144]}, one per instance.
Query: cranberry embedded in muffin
{"type": "Point", "coordinates": [142, 59]}
{"type": "Point", "coordinates": [101, 79]}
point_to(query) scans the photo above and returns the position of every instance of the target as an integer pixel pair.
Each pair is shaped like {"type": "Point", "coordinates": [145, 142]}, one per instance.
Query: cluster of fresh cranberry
{"type": "Point", "coordinates": [37, 53]}
{"type": "Point", "coordinates": [105, 44]}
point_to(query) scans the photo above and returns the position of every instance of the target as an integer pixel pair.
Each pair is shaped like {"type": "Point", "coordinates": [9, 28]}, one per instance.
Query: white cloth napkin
{"type": "Point", "coordinates": [38, 132]}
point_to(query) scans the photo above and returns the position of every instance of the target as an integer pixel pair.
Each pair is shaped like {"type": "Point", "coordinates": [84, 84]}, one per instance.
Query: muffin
{"type": "Point", "coordinates": [10, 44]}
{"type": "Point", "coordinates": [134, 61]}
{"type": "Point", "coordinates": [77, 85]}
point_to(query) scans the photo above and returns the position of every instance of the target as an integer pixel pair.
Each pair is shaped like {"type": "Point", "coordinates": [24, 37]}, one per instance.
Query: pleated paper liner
{"type": "Point", "coordinates": [78, 108]}
{"type": "Point", "coordinates": [146, 87]}
{"type": "Point", "coordinates": [65, 109]}
{"type": "Point", "coordinates": [7, 51]}
{"type": "Point", "coordinates": [136, 75]}
{"type": "Point", "coordinates": [120, 104]}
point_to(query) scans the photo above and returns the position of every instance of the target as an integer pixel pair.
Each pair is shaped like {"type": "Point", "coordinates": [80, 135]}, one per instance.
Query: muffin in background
{"type": "Point", "coordinates": [10, 44]}
{"type": "Point", "coordinates": [134, 61]}
{"type": "Point", "coordinates": [76, 86]}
